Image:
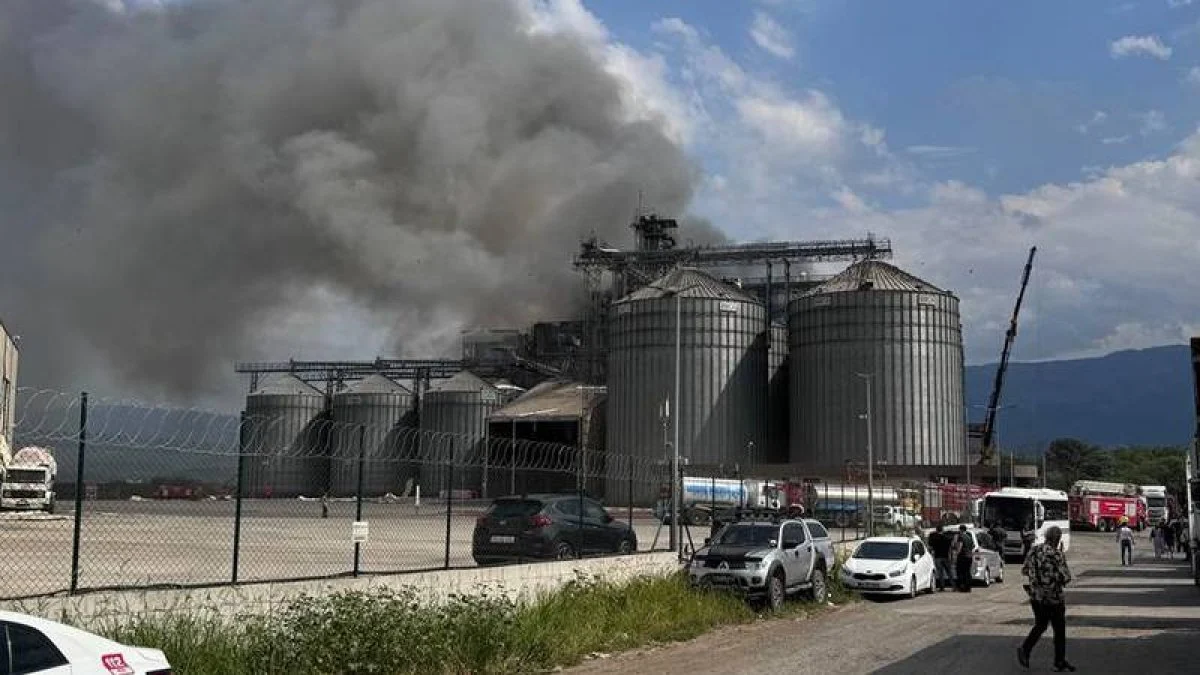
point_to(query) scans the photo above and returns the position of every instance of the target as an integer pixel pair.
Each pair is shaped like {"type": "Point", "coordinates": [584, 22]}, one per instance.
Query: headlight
{"type": "Point", "coordinates": [697, 561]}
{"type": "Point", "coordinates": [897, 573]}
{"type": "Point", "coordinates": [753, 564]}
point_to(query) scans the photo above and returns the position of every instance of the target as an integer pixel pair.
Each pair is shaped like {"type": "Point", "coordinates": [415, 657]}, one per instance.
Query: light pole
{"type": "Point", "coordinates": [870, 459]}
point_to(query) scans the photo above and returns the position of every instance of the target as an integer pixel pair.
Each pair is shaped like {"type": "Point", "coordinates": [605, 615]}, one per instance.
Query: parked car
{"type": "Point", "coordinates": [547, 526]}
{"type": "Point", "coordinates": [987, 562]}
{"type": "Point", "coordinates": [894, 517]}
{"type": "Point", "coordinates": [766, 559]}
{"type": "Point", "coordinates": [890, 566]}
{"type": "Point", "coordinates": [35, 646]}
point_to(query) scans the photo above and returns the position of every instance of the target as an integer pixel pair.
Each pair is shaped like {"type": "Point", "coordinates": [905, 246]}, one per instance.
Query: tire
{"type": "Point", "coordinates": [625, 547]}
{"type": "Point", "coordinates": [912, 587]}
{"type": "Point", "coordinates": [820, 588]}
{"type": "Point", "coordinates": [1000, 576]}
{"type": "Point", "coordinates": [841, 520]}
{"type": "Point", "coordinates": [987, 577]}
{"type": "Point", "coordinates": [776, 592]}
{"type": "Point", "coordinates": [563, 551]}
{"type": "Point", "coordinates": [932, 584]}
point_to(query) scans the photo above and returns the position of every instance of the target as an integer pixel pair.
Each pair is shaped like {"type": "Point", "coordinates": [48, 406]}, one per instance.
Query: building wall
{"type": "Point", "coordinates": [8, 386]}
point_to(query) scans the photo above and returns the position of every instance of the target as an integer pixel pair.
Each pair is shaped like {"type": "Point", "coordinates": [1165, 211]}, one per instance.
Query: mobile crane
{"type": "Point", "coordinates": [989, 424]}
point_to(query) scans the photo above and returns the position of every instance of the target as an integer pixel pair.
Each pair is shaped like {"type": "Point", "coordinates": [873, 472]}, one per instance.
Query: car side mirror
{"type": "Point", "coordinates": [915, 558]}
{"type": "Point", "coordinates": [608, 518]}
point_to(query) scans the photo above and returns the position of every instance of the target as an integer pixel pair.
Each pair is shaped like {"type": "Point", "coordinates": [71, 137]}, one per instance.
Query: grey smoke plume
{"type": "Point", "coordinates": [173, 181]}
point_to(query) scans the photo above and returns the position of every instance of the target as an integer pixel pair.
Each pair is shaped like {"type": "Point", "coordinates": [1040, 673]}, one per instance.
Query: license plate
{"type": "Point", "coordinates": [503, 539]}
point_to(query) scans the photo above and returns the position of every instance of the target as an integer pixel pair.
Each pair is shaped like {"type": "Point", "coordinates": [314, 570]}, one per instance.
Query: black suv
{"type": "Point", "coordinates": [547, 526]}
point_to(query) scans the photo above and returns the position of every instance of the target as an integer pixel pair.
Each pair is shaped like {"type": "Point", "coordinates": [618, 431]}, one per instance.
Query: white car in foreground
{"type": "Point", "coordinates": [890, 566]}
{"type": "Point", "coordinates": [30, 645]}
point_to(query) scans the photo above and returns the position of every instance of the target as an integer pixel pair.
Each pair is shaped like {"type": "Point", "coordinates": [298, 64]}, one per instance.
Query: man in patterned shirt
{"type": "Point", "coordinates": [1046, 568]}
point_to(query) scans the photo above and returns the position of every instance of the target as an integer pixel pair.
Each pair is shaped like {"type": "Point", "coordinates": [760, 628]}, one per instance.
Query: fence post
{"type": "Point", "coordinates": [629, 497]}
{"type": "Point", "coordinates": [362, 433]}
{"type": "Point", "coordinates": [83, 411]}
{"type": "Point", "coordinates": [449, 499]}
{"type": "Point", "coordinates": [237, 503]}
{"type": "Point", "coordinates": [579, 526]}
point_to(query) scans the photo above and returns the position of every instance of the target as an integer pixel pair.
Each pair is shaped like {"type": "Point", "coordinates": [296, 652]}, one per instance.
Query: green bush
{"type": "Point", "coordinates": [391, 631]}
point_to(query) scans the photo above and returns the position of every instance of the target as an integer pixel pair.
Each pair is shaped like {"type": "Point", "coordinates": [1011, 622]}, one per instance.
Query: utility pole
{"type": "Point", "coordinates": [870, 460]}
{"type": "Point", "coordinates": [676, 478]}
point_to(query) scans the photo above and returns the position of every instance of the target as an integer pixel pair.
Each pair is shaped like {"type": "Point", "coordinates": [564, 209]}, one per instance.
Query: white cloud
{"type": "Point", "coordinates": [771, 36]}
{"type": "Point", "coordinates": [1139, 45]}
{"type": "Point", "coordinates": [1192, 76]}
{"type": "Point", "coordinates": [939, 152]}
{"type": "Point", "coordinates": [1098, 118]}
{"type": "Point", "coordinates": [811, 124]}
{"type": "Point", "coordinates": [1115, 140]}
{"type": "Point", "coordinates": [1152, 122]}
{"type": "Point", "coordinates": [1173, 4]}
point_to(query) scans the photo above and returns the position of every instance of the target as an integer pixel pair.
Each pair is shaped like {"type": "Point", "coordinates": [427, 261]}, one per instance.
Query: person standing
{"type": "Point", "coordinates": [998, 536]}
{"type": "Point", "coordinates": [1125, 540]}
{"type": "Point", "coordinates": [961, 551]}
{"type": "Point", "coordinates": [1157, 537]}
{"type": "Point", "coordinates": [939, 543]}
{"type": "Point", "coordinates": [1177, 532]}
{"type": "Point", "coordinates": [325, 505]}
{"type": "Point", "coordinates": [1048, 574]}
{"type": "Point", "coordinates": [1168, 535]}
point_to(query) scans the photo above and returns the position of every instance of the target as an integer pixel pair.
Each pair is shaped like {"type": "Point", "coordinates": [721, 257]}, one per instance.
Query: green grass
{"type": "Point", "coordinates": [392, 632]}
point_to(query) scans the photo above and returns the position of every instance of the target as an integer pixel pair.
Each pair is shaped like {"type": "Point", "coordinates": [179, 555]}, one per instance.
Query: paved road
{"type": "Point", "coordinates": [1139, 619]}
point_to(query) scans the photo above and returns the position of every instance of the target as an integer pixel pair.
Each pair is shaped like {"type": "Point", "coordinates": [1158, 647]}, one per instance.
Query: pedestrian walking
{"type": "Point", "coordinates": [939, 543]}
{"type": "Point", "coordinates": [1048, 574]}
{"type": "Point", "coordinates": [961, 551]}
{"type": "Point", "coordinates": [1125, 541]}
{"type": "Point", "coordinates": [1157, 537]}
{"type": "Point", "coordinates": [1177, 530]}
{"type": "Point", "coordinates": [1168, 540]}
{"type": "Point", "coordinates": [325, 505]}
{"type": "Point", "coordinates": [998, 536]}
{"type": "Point", "coordinates": [1028, 537]}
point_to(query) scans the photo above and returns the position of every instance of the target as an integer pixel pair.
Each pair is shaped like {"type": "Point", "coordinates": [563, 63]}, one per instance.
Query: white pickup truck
{"type": "Point", "coordinates": [894, 517]}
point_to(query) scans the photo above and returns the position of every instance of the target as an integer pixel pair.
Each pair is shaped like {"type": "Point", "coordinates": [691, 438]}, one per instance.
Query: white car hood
{"type": "Point", "coordinates": [871, 566]}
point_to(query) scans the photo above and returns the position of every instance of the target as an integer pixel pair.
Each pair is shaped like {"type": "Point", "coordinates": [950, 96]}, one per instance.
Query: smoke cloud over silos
{"type": "Point", "coordinates": [173, 179]}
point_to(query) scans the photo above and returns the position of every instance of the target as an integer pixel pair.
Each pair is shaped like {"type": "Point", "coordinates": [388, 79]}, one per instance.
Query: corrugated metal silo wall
{"type": "Point", "coordinates": [776, 451]}
{"type": "Point", "coordinates": [911, 342]}
{"type": "Point", "coordinates": [454, 420]}
{"type": "Point", "coordinates": [287, 438]}
{"type": "Point", "coordinates": [387, 420]}
{"type": "Point", "coordinates": [723, 370]}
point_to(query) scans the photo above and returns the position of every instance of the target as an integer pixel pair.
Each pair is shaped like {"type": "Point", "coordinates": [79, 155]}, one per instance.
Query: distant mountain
{"type": "Point", "coordinates": [1139, 397]}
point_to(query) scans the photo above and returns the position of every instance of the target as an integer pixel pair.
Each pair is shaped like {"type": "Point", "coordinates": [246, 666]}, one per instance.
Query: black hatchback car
{"type": "Point", "coordinates": [547, 526]}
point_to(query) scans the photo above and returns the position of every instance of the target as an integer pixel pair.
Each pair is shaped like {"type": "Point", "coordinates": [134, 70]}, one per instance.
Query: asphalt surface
{"type": "Point", "coordinates": [1139, 619]}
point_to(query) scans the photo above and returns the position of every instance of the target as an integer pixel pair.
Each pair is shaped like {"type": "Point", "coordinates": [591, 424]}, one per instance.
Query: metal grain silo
{"type": "Point", "coordinates": [778, 411]}
{"type": "Point", "coordinates": [286, 437]}
{"type": "Point", "coordinates": [454, 415]}
{"type": "Point", "coordinates": [876, 319]}
{"type": "Point", "coordinates": [723, 374]}
{"type": "Point", "coordinates": [382, 409]}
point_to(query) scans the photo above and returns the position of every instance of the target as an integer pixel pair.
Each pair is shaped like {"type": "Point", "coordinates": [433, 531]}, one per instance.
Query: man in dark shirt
{"type": "Point", "coordinates": [939, 544]}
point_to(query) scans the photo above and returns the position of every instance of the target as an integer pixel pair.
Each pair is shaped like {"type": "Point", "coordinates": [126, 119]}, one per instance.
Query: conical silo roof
{"type": "Point", "coordinates": [874, 275]}
{"type": "Point", "coordinates": [286, 385]}
{"type": "Point", "coordinates": [688, 282]}
{"type": "Point", "coordinates": [375, 384]}
{"type": "Point", "coordinates": [463, 381]}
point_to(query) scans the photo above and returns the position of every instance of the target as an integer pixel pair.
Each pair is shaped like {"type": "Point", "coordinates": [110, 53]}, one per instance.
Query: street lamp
{"type": "Point", "coordinates": [870, 458]}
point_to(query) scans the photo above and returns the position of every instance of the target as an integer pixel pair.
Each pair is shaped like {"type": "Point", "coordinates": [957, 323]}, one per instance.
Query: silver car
{"type": "Point", "coordinates": [987, 562]}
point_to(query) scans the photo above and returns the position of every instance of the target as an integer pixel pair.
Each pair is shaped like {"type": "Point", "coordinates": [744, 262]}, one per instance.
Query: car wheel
{"type": "Point", "coordinates": [775, 592]}
{"type": "Point", "coordinates": [987, 577]}
{"type": "Point", "coordinates": [932, 584]}
{"type": "Point", "coordinates": [912, 587]}
{"type": "Point", "coordinates": [820, 589]}
{"type": "Point", "coordinates": [625, 547]}
{"type": "Point", "coordinates": [563, 551]}
{"type": "Point", "coordinates": [1000, 574]}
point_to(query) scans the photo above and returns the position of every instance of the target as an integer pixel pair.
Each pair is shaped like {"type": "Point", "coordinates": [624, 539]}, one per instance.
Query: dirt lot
{"type": "Point", "coordinates": [1119, 620]}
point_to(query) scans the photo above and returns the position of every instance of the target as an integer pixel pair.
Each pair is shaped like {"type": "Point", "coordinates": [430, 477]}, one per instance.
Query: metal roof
{"type": "Point", "coordinates": [286, 385]}
{"type": "Point", "coordinates": [375, 384]}
{"type": "Point", "coordinates": [688, 282]}
{"type": "Point", "coordinates": [463, 381]}
{"type": "Point", "coordinates": [874, 275]}
{"type": "Point", "coordinates": [556, 400]}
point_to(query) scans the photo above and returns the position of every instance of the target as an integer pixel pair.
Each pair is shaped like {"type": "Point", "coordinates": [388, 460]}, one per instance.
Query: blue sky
{"type": "Point", "coordinates": [966, 132]}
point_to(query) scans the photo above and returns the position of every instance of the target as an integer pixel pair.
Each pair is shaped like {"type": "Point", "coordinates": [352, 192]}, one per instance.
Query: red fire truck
{"type": "Point", "coordinates": [1104, 512]}
{"type": "Point", "coordinates": [949, 502]}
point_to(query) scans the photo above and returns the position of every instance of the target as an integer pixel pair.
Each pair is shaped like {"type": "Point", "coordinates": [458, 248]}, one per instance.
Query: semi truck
{"type": "Point", "coordinates": [700, 496]}
{"type": "Point", "coordinates": [1156, 502]}
{"type": "Point", "coordinates": [28, 479]}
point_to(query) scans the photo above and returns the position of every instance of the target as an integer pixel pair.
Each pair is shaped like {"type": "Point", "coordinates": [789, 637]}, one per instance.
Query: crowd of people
{"type": "Point", "coordinates": [1168, 538]}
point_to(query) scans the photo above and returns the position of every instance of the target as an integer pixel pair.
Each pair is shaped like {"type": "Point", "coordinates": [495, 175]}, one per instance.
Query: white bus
{"type": "Point", "coordinates": [1017, 509]}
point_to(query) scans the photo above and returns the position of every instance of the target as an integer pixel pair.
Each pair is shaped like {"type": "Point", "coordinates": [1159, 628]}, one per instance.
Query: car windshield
{"type": "Point", "coordinates": [514, 508]}
{"type": "Point", "coordinates": [882, 510]}
{"type": "Point", "coordinates": [748, 535]}
{"type": "Point", "coordinates": [1011, 514]}
{"type": "Point", "coordinates": [882, 550]}
{"type": "Point", "coordinates": [25, 476]}
{"type": "Point", "coordinates": [1156, 502]}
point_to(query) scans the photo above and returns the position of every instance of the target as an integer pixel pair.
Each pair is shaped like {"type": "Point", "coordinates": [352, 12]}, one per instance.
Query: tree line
{"type": "Point", "coordinates": [1070, 459]}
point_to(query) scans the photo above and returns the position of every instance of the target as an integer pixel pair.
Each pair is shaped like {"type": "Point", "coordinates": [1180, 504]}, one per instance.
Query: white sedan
{"type": "Point", "coordinates": [890, 566]}
{"type": "Point", "coordinates": [31, 645]}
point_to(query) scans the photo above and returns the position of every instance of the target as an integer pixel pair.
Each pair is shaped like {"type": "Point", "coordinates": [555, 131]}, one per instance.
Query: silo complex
{"type": "Point", "coordinates": [877, 320]}
{"type": "Point", "coordinates": [454, 415]}
{"type": "Point", "coordinates": [779, 414]}
{"type": "Point", "coordinates": [384, 411]}
{"type": "Point", "coordinates": [723, 373]}
{"type": "Point", "coordinates": [285, 436]}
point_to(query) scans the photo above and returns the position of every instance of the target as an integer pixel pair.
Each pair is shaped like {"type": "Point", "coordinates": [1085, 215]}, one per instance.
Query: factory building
{"type": "Point", "coordinates": [876, 328]}
{"type": "Point", "coordinates": [8, 389]}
